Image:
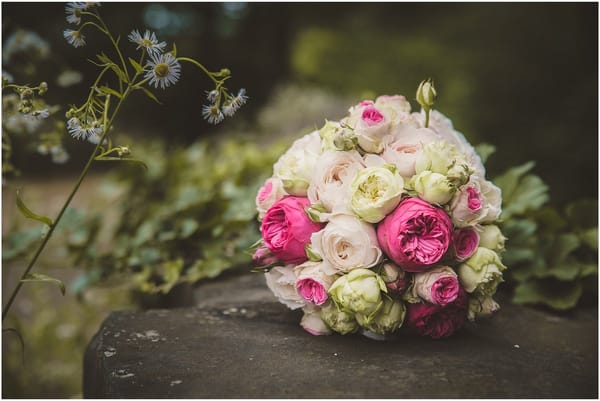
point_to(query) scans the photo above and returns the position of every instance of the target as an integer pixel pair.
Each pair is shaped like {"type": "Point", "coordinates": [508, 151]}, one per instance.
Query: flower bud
{"type": "Point", "coordinates": [312, 322]}
{"type": "Point", "coordinates": [26, 94]}
{"type": "Point", "coordinates": [359, 291]}
{"type": "Point", "coordinates": [396, 280]}
{"type": "Point", "coordinates": [338, 320]}
{"type": "Point", "coordinates": [123, 151]}
{"type": "Point", "coordinates": [433, 187]}
{"type": "Point", "coordinates": [426, 94]}
{"type": "Point", "coordinates": [482, 272]}
{"type": "Point", "coordinates": [43, 88]}
{"type": "Point", "coordinates": [387, 320]}
{"type": "Point", "coordinates": [491, 237]}
{"type": "Point", "coordinates": [481, 306]}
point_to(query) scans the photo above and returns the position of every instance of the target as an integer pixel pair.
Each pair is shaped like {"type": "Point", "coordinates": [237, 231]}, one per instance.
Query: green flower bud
{"type": "Point", "coordinates": [433, 187]}
{"type": "Point", "coordinates": [482, 272]}
{"type": "Point", "coordinates": [491, 237]}
{"type": "Point", "coordinates": [338, 320]}
{"type": "Point", "coordinates": [43, 88]}
{"type": "Point", "coordinates": [426, 94]}
{"type": "Point", "coordinates": [359, 291]}
{"type": "Point", "coordinates": [387, 320]}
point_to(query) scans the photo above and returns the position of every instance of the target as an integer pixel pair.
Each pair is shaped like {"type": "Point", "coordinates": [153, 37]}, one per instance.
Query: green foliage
{"type": "Point", "coordinates": [190, 216]}
{"type": "Point", "coordinates": [553, 255]}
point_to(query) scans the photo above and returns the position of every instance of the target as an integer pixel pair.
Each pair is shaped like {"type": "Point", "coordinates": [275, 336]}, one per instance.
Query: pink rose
{"type": "Point", "coordinates": [415, 235]}
{"type": "Point", "coordinates": [371, 116]}
{"type": "Point", "coordinates": [464, 243]}
{"type": "Point", "coordinates": [269, 193]}
{"type": "Point", "coordinates": [438, 285]}
{"type": "Point", "coordinates": [437, 321]}
{"type": "Point", "coordinates": [286, 229]}
{"type": "Point", "coordinates": [312, 283]}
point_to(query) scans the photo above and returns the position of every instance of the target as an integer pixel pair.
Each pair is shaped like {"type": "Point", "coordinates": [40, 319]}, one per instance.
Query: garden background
{"type": "Point", "coordinates": [523, 77]}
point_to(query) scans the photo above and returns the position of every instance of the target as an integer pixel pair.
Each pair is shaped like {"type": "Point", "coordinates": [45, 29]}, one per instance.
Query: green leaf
{"type": "Point", "coordinates": [111, 91]}
{"type": "Point", "coordinates": [530, 194]}
{"type": "Point", "coordinates": [21, 341]}
{"type": "Point", "coordinates": [28, 213]}
{"type": "Point", "coordinates": [509, 180]}
{"type": "Point", "coordinates": [120, 74]}
{"type": "Point", "coordinates": [38, 277]}
{"type": "Point", "coordinates": [136, 66]}
{"type": "Point", "coordinates": [150, 94]}
{"type": "Point", "coordinates": [590, 238]}
{"type": "Point", "coordinates": [555, 294]}
{"type": "Point", "coordinates": [485, 150]}
{"type": "Point", "coordinates": [562, 246]}
{"type": "Point", "coordinates": [583, 213]}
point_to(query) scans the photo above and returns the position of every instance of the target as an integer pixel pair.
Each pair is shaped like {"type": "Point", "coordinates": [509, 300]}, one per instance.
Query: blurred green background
{"type": "Point", "coordinates": [523, 77]}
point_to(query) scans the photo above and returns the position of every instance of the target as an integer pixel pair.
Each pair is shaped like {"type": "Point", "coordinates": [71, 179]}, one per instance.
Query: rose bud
{"type": "Point", "coordinates": [387, 319]}
{"type": "Point", "coordinates": [359, 291]}
{"type": "Point", "coordinates": [340, 321]}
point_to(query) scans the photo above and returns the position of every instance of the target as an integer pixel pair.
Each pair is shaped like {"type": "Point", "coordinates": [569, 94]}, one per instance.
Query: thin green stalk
{"type": "Point", "coordinates": [65, 205]}
{"type": "Point", "coordinates": [197, 64]}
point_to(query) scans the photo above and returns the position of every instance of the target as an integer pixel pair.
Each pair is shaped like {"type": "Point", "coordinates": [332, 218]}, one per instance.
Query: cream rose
{"type": "Point", "coordinates": [281, 280]}
{"type": "Point", "coordinates": [346, 243]}
{"type": "Point", "coordinates": [375, 191]}
{"type": "Point", "coordinates": [295, 167]}
{"type": "Point", "coordinates": [403, 148]}
{"type": "Point", "coordinates": [331, 177]}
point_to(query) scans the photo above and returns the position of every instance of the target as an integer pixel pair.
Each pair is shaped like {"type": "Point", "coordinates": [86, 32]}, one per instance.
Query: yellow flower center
{"type": "Point", "coordinates": [161, 70]}
{"type": "Point", "coordinates": [147, 43]}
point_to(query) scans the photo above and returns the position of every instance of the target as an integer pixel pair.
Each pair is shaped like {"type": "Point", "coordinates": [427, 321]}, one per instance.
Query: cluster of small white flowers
{"type": "Point", "coordinates": [213, 114]}
{"type": "Point", "coordinates": [90, 131]}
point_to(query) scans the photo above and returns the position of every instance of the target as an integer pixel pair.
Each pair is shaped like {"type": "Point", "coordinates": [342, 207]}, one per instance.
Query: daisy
{"type": "Point", "coordinates": [75, 38]}
{"type": "Point", "coordinates": [75, 129]}
{"type": "Point", "coordinates": [240, 99]}
{"type": "Point", "coordinates": [163, 69]}
{"type": "Point", "coordinates": [148, 41]}
{"type": "Point", "coordinates": [73, 10]}
{"type": "Point", "coordinates": [212, 96]}
{"type": "Point", "coordinates": [212, 114]}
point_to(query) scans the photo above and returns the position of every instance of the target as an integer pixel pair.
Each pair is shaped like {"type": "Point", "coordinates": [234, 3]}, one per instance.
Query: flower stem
{"type": "Point", "coordinates": [65, 205]}
{"type": "Point", "coordinates": [197, 64]}
{"type": "Point", "coordinates": [426, 118]}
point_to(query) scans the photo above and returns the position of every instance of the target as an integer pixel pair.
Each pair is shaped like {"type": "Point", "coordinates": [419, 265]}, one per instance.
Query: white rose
{"type": "Point", "coordinates": [444, 158]}
{"type": "Point", "coordinates": [375, 191]}
{"type": "Point", "coordinates": [268, 194]}
{"type": "Point", "coordinates": [331, 177]}
{"type": "Point", "coordinates": [396, 108]}
{"type": "Point", "coordinates": [311, 322]}
{"type": "Point", "coordinates": [346, 243]}
{"type": "Point", "coordinates": [281, 280]}
{"type": "Point", "coordinates": [295, 166]}
{"type": "Point", "coordinates": [403, 148]}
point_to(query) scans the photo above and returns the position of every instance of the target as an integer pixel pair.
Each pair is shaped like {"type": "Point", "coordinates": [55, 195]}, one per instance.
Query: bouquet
{"type": "Point", "coordinates": [382, 221]}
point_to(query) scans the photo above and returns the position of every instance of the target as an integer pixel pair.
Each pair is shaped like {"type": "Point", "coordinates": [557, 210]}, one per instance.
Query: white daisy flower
{"type": "Point", "coordinates": [95, 134]}
{"type": "Point", "coordinates": [75, 38]}
{"type": "Point", "coordinates": [212, 96]}
{"type": "Point", "coordinates": [212, 114]}
{"type": "Point", "coordinates": [73, 10]}
{"type": "Point", "coordinates": [148, 41]}
{"type": "Point", "coordinates": [240, 99]}
{"type": "Point", "coordinates": [76, 130]}
{"type": "Point", "coordinates": [229, 110]}
{"type": "Point", "coordinates": [164, 70]}
{"type": "Point", "coordinates": [40, 114]}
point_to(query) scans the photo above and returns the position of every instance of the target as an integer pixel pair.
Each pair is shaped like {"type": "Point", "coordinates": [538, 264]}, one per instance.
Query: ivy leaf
{"type": "Point", "coordinates": [38, 277]}
{"type": "Point", "coordinates": [559, 295]}
{"type": "Point", "coordinates": [136, 66]}
{"type": "Point", "coordinates": [530, 194]}
{"type": "Point", "coordinates": [28, 213]}
{"type": "Point", "coordinates": [509, 180]}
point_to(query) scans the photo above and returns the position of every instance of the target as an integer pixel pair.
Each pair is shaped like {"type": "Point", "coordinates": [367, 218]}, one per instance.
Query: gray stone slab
{"type": "Point", "coordinates": [245, 345]}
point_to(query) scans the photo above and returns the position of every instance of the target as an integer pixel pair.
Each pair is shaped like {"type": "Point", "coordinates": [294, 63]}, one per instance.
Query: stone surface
{"type": "Point", "coordinates": [240, 343]}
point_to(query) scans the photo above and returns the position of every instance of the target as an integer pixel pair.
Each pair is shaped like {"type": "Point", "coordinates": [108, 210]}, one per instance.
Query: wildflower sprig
{"type": "Point", "coordinates": [93, 119]}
